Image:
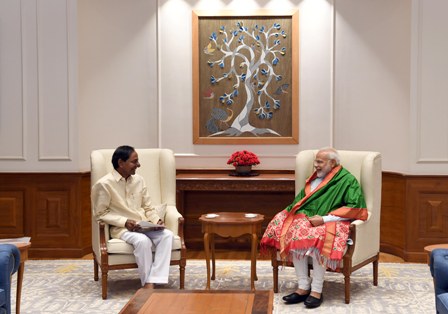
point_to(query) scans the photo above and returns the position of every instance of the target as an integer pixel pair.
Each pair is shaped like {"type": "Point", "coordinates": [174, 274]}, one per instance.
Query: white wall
{"type": "Point", "coordinates": [315, 32]}
{"type": "Point", "coordinates": [79, 75]}
{"type": "Point", "coordinates": [429, 92]}
{"type": "Point", "coordinates": [372, 85]}
{"type": "Point", "coordinates": [38, 60]}
{"type": "Point", "coordinates": [117, 75]}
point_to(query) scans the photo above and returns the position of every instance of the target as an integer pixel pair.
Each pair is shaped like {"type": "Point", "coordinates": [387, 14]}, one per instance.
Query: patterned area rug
{"type": "Point", "coordinates": [67, 286]}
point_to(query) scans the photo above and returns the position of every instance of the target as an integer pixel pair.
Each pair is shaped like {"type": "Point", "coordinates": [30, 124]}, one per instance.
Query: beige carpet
{"type": "Point", "coordinates": [67, 286]}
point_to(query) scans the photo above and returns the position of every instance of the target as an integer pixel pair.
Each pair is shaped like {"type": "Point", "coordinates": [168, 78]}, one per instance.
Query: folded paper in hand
{"type": "Point", "coordinates": [146, 225]}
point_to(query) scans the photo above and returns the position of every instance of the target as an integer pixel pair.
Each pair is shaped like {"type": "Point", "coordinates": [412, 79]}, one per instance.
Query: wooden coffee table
{"type": "Point", "coordinates": [226, 224]}
{"type": "Point", "coordinates": [148, 300]}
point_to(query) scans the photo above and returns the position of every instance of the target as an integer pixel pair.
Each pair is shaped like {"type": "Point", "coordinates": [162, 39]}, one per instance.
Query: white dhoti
{"type": "Point", "coordinates": [305, 282]}
{"type": "Point", "coordinates": [157, 270]}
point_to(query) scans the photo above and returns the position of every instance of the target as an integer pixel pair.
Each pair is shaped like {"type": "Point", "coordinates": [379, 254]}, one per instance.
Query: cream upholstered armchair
{"type": "Point", "coordinates": [366, 167]}
{"type": "Point", "coordinates": [159, 171]}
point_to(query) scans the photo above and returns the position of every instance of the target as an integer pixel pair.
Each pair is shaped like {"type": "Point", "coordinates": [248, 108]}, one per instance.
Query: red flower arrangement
{"type": "Point", "coordinates": [243, 158]}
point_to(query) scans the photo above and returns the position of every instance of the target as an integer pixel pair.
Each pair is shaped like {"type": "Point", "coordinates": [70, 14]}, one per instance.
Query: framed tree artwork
{"type": "Point", "coordinates": [245, 78]}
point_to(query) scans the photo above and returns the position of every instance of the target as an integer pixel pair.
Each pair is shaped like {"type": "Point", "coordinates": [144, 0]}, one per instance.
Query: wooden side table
{"type": "Point", "coordinates": [429, 248]}
{"type": "Point", "coordinates": [226, 224]}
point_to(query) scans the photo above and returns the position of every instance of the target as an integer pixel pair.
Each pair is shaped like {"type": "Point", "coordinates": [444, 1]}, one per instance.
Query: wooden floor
{"type": "Point", "coordinates": [235, 255]}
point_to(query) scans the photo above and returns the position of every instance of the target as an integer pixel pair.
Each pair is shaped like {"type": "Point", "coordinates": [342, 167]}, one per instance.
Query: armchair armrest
{"type": "Point", "coordinates": [351, 248]}
{"type": "Point", "coordinates": [367, 240]}
{"type": "Point", "coordinates": [103, 242]}
{"type": "Point", "coordinates": [175, 222]}
{"type": "Point", "coordinates": [181, 222]}
{"type": "Point", "coordinates": [10, 250]}
{"type": "Point", "coordinates": [172, 219]}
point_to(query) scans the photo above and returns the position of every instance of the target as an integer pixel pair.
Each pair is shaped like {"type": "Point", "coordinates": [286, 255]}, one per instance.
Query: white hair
{"type": "Point", "coordinates": [332, 154]}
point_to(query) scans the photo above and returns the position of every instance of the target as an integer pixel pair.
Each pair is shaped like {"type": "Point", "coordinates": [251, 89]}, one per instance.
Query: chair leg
{"type": "Point", "coordinates": [347, 288]}
{"type": "Point", "coordinates": [104, 284]}
{"type": "Point", "coordinates": [95, 269]}
{"type": "Point", "coordinates": [274, 264]}
{"type": "Point", "coordinates": [375, 272]}
{"type": "Point", "coordinates": [182, 276]}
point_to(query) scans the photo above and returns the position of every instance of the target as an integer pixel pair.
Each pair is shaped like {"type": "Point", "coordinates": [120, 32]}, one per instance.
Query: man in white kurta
{"type": "Point", "coordinates": [121, 199]}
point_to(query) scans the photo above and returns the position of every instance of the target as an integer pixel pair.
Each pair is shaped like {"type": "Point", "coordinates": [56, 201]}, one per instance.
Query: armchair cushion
{"type": "Point", "coordinates": [117, 246]}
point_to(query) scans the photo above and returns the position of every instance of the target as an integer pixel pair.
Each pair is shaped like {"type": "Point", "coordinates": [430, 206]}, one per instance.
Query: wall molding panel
{"type": "Point", "coordinates": [38, 84]}
{"type": "Point", "coordinates": [11, 78]}
{"type": "Point", "coordinates": [53, 76]}
{"type": "Point", "coordinates": [428, 93]}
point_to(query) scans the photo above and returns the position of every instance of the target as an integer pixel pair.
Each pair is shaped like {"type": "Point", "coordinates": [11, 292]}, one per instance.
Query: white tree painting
{"type": "Point", "coordinates": [248, 72]}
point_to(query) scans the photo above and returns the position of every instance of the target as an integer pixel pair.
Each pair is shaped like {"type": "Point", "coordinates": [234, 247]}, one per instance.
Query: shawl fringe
{"type": "Point", "coordinates": [332, 264]}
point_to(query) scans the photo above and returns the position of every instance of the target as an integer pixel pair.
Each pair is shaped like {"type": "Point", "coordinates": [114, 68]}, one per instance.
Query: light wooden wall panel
{"type": "Point", "coordinates": [11, 212]}
{"type": "Point", "coordinates": [427, 212]}
{"type": "Point", "coordinates": [393, 202]}
{"type": "Point", "coordinates": [54, 209]}
{"type": "Point", "coordinates": [414, 214]}
{"type": "Point", "coordinates": [51, 208]}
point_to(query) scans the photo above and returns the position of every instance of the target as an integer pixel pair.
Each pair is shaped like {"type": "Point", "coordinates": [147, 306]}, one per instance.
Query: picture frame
{"type": "Point", "coordinates": [245, 77]}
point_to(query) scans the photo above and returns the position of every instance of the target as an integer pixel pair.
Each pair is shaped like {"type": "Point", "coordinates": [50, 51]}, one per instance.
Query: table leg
{"type": "Point", "coordinates": [253, 261]}
{"type": "Point", "coordinates": [207, 258]}
{"type": "Point", "coordinates": [19, 286]}
{"type": "Point", "coordinates": [212, 245]}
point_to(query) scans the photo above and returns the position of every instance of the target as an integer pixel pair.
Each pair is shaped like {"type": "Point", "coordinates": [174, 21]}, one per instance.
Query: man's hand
{"type": "Point", "coordinates": [132, 225]}
{"type": "Point", "coordinates": [160, 222]}
{"type": "Point", "coordinates": [316, 220]}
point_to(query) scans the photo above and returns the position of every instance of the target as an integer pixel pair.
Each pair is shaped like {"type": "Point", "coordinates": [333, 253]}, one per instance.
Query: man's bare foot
{"type": "Point", "coordinates": [302, 291]}
{"type": "Point", "coordinates": [148, 285]}
{"type": "Point", "coordinates": [315, 294]}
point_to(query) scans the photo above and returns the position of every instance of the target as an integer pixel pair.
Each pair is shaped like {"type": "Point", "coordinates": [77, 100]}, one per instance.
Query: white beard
{"type": "Point", "coordinates": [323, 172]}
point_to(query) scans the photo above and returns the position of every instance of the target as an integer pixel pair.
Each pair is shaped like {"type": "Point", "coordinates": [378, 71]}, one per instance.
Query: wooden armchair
{"type": "Point", "coordinates": [159, 171]}
{"type": "Point", "coordinates": [366, 167]}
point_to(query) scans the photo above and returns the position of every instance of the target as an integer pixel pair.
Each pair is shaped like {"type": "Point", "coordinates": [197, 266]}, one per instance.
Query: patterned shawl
{"type": "Point", "coordinates": [290, 231]}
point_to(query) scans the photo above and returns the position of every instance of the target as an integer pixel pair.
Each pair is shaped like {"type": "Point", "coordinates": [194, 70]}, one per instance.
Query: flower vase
{"type": "Point", "coordinates": [243, 170]}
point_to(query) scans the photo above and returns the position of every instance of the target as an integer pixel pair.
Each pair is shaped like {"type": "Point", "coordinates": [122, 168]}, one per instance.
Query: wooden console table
{"type": "Point", "coordinates": [201, 191]}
